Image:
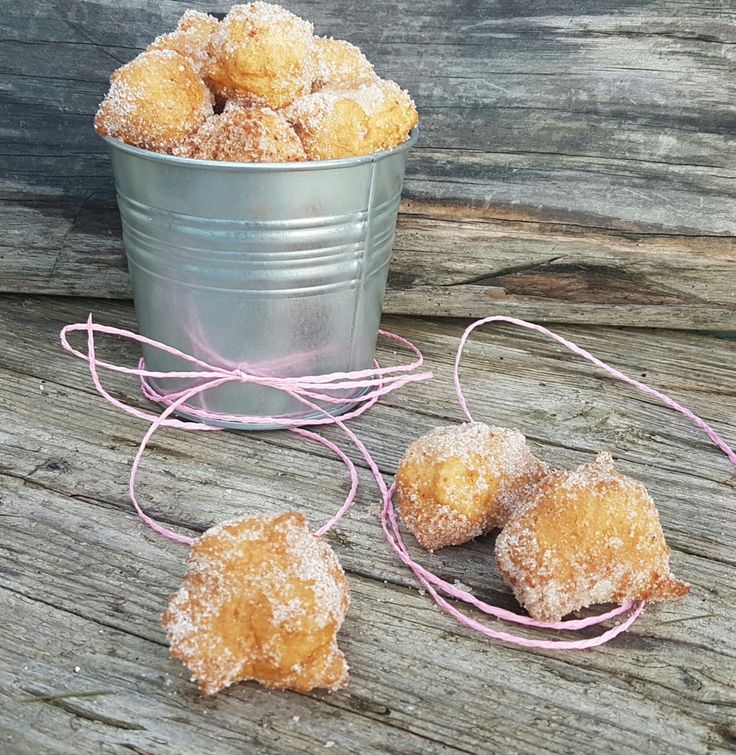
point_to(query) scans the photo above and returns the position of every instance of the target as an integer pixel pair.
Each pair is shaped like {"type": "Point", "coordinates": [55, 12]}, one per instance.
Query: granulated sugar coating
{"type": "Point", "coordinates": [154, 102]}
{"type": "Point", "coordinates": [243, 134]}
{"type": "Point", "coordinates": [330, 125]}
{"type": "Point", "coordinates": [262, 600]}
{"type": "Point", "coordinates": [394, 116]}
{"type": "Point", "coordinates": [265, 50]}
{"type": "Point", "coordinates": [347, 123]}
{"type": "Point", "coordinates": [259, 55]}
{"type": "Point", "coordinates": [191, 39]}
{"type": "Point", "coordinates": [589, 536]}
{"type": "Point", "coordinates": [456, 483]}
{"type": "Point", "coordinates": [341, 65]}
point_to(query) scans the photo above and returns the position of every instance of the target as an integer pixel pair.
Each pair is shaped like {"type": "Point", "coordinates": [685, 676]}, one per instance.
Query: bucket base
{"type": "Point", "coordinates": [298, 421]}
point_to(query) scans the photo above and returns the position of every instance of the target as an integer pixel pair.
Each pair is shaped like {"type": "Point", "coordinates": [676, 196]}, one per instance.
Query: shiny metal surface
{"type": "Point", "coordinates": [275, 268]}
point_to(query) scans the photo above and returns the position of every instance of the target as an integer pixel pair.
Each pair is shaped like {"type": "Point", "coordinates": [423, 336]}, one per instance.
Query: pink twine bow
{"type": "Point", "coordinates": [377, 382]}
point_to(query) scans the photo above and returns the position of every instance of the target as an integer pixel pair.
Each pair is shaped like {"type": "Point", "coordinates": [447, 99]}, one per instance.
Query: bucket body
{"type": "Point", "coordinates": [272, 268]}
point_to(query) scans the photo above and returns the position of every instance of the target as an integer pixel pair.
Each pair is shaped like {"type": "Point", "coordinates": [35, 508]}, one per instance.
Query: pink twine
{"type": "Point", "coordinates": [643, 387]}
{"type": "Point", "coordinates": [430, 581]}
{"type": "Point", "coordinates": [378, 381]}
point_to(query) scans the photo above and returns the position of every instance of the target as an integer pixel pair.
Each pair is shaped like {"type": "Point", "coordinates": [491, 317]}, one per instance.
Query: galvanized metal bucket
{"type": "Point", "coordinates": [273, 268]}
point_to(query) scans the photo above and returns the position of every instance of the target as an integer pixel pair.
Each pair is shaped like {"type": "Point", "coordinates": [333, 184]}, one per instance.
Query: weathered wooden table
{"type": "Point", "coordinates": [577, 166]}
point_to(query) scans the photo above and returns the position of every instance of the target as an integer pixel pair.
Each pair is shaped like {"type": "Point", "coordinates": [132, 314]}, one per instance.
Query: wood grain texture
{"type": "Point", "coordinates": [85, 582]}
{"type": "Point", "coordinates": [623, 116]}
{"type": "Point", "coordinates": [443, 265]}
{"type": "Point", "coordinates": [598, 136]}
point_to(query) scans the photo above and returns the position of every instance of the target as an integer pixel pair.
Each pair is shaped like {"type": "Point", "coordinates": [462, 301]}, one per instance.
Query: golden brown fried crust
{"type": "Point", "coordinates": [392, 121]}
{"type": "Point", "coordinates": [330, 125]}
{"type": "Point", "coordinates": [340, 65]}
{"type": "Point", "coordinates": [244, 134]}
{"type": "Point", "coordinates": [260, 55]}
{"type": "Point", "coordinates": [456, 483]}
{"type": "Point", "coordinates": [347, 123]}
{"type": "Point", "coordinates": [589, 536]}
{"type": "Point", "coordinates": [264, 50]}
{"type": "Point", "coordinates": [262, 600]}
{"type": "Point", "coordinates": [191, 39]}
{"type": "Point", "coordinates": [154, 102]}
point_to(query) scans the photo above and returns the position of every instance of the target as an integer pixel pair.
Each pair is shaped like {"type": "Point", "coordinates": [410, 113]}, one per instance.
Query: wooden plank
{"type": "Point", "coordinates": [93, 602]}
{"type": "Point", "coordinates": [602, 139]}
{"type": "Point", "coordinates": [76, 561]}
{"type": "Point", "coordinates": [443, 265]}
{"type": "Point", "coordinates": [560, 274]}
{"type": "Point", "coordinates": [622, 116]}
{"type": "Point", "coordinates": [82, 684]}
{"type": "Point", "coordinates": [564, 404]}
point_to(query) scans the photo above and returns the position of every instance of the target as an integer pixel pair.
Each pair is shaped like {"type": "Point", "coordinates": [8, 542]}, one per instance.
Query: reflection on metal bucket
{"type": "Point", "coordinates": [274, 268]}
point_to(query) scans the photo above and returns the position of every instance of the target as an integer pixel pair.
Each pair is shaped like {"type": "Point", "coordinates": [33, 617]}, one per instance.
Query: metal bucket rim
{"type": "Point", "coordinates": [223, 165]}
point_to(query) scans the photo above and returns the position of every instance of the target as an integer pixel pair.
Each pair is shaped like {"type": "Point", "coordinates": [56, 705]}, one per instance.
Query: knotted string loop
{"type": "Point", "coordinates": [365, 386]}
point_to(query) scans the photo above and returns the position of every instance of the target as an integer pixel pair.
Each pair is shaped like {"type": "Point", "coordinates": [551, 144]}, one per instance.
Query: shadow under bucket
{"type": "Point", "coordinates": [277, 269]}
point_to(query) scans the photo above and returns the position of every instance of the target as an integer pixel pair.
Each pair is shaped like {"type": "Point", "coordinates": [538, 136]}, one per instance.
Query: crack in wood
{"type": "Point", "coordinates": [43, 698]}
{"type": "Point", "coordinates": [64, 702]}
{"type": "Point", "coordinates": [386, 721]}
{"type": "Point", "coordinates": [578, 155]}
{"type": "Point", "coordinates": [467, 213]}
{"type": "Point", "coordinates": [81, 615]}
{"type": "Point", "coordinates": [75, 42]}
{"type": "Point", "coordinates": [64, 13]}
{"type": "Point", "coordinates": [489, 279]}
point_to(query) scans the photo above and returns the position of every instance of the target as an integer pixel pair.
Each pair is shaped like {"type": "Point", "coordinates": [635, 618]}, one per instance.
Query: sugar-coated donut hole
{"type": "Point", "coordinates": [154, 102]}
{"type": "Point", "coordinates": [261, 55]}
{"type": "Point", "coordinates": [263, 599]}
{"type": "Point", "coordinates": [589, 536]}
{"type": "Point", "coordinates": [458, 482]}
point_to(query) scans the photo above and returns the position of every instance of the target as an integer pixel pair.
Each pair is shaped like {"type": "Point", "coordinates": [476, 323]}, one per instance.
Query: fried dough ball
{"type": "Point", "coordinates": [393, 116]}
{"type": "Point", "coordinates": [589, 536]}
{"type": "Point", "coordinates": [265, 50]}
{"type": "Point", "coordinates": [262, 599]}
{"type": "Point", "coordinates": [244, 134]}
{"type": "Point", "coordinates": [340, 65]}
{"type": "Point", "coordinates": [456, 483]}
{"type": "Point", "coordinates": [191, 39]}
{"type": "Point", "coordinates": [154, 102]}
{"type": "Point", "coordinates": [330, 125]}
{"type": "Point", "coordinates": [334, 124]}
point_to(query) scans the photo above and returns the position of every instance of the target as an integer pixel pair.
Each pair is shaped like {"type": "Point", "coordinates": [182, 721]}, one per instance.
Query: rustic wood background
{"type": "Point", "coordinates": [576, 162]}
{"type": "Point", "coordinates": [83, 658]}
{"type": "Point", "coordinates": [576, 165]}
